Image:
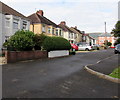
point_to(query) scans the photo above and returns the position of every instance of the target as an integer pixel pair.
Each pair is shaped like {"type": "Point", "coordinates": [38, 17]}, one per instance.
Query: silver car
{"type": "Point", "coordinates": [117, 49]}
{"type": "Point", "coordinates": [84, 46]}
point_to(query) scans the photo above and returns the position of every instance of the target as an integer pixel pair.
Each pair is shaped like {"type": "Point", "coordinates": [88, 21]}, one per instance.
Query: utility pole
{"type": "Point", "coordinates": [105, 27]}
{"type": "Point", "coordinates": [105, 36]}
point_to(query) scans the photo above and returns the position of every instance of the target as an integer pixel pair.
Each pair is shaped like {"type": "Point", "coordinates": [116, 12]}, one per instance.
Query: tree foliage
{"type": "Point", "coordinates": [116, 30]}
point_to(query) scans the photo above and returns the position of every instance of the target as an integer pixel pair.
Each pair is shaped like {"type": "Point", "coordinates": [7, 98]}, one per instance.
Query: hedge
{"type": "Point", "coordinates": [20, 41]}
{"type": "Point", "coordinates": [56, 43]}
{"type": "Point", "coordinates": [38, 40]}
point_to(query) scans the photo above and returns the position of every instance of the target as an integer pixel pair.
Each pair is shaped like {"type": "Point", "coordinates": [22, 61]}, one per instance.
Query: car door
{"type": "Point", "coordinates": [80, 47]}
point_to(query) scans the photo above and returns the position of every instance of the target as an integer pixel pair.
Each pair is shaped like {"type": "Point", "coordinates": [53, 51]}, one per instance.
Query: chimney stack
{"type": "Point", "coordinates": [63, 23]}
{"type": "Point", "coordinates": [40, 12]}
{"type": "Point", "coordinates": [75, 27]}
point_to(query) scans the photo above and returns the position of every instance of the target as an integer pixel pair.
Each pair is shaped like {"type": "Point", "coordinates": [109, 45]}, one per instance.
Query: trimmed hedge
{"type": "Point", "coordinates": [38, 40]}
{"type": "Point", "coordinates": [20, 41]}
{"type": "Point", "coordinates": [56, 43]}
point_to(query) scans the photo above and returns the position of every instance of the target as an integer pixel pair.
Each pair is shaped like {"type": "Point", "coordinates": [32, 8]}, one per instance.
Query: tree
{"type": "Point", "coordinates": [116, 31]}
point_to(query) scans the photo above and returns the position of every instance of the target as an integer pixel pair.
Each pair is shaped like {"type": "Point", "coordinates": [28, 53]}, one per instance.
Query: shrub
{"type": "Point", "coordinates": [38, 40]}
{"type": "Point", "coordinates": [117, 41]}
{"type": "Point", "coordinates": [56, 43]}
{"type": "Point", "coordinates": [20, 41]}
{"type": "Point", "coordinates": [109, 43]}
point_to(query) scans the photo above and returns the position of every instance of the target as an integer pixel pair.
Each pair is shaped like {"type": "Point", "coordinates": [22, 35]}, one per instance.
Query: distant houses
{"type": "Point", "coordinates": [40, 24]}
{"type": "Point", "coordinates": [106, 36]}
{"type": "Point", "coordinates": [12, 21]}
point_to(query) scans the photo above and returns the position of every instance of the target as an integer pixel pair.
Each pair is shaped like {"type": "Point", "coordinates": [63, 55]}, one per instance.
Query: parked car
{"type": "Point", "coordinates": [84, 46]}
{"type": "Point", "coordinates": [74, 47]}
{"type": "Point", "coordinates": [95, 47]}
{"type": "Point", "coordinates": [117, 49]}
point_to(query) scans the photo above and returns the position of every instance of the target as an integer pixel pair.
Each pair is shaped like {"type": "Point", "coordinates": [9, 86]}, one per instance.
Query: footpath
{"type": "Point", "coordinates": [104, 67]}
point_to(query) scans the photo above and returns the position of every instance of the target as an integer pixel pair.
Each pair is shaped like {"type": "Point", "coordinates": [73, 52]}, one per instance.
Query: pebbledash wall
{"type": "Point", "coordinates": [15, 56]}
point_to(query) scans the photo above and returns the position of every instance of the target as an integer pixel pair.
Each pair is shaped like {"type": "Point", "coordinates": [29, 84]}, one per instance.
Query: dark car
{"type": "Point", "coordinates": [74, 47]}
{"type": "Point", "coordinates": [117, 49]}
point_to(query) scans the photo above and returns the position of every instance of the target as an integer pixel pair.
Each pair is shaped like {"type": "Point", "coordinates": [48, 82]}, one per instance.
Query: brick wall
{"type": "Point", "coordinates": [15, 56]}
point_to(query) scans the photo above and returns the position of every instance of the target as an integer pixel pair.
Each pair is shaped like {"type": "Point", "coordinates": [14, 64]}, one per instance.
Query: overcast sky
{"type": "Point", "coordinates": [87, 15]}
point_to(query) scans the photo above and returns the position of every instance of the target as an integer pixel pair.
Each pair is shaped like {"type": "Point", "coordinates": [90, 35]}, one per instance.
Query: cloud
{"type": "Point", "coordinates": [87, 16]}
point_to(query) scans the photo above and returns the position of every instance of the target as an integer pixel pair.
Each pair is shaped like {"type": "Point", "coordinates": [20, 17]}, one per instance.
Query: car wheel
{"type": "Point", "coordinates": [115, 52]}
{"type": "Point", "coordinates": [86, 49]}
{"type": "Point", "coordinates": [73, 49]}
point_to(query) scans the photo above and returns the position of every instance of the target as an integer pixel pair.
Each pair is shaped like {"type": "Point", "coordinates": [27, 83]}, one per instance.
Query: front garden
{"type": "Point", "coordinates": [25, 45]}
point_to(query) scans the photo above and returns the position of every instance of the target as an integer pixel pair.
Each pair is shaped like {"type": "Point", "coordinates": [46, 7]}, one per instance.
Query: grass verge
{"type": "Point", "coordinates": [115, 73]}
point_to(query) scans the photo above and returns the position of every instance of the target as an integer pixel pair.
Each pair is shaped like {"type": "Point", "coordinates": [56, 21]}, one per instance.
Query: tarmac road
{"type": "Point", "coordinates": [59, 78]}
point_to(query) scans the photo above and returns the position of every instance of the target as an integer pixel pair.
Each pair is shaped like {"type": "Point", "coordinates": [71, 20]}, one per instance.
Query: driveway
{"type": "Point", "coordinates": [58, 78]}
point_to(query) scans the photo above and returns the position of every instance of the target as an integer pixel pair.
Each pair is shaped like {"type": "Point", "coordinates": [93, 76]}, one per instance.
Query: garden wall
{"type": "Point", "coordinates": [58, 53]}
{"type": "Point", "coordinates": [15, 56]}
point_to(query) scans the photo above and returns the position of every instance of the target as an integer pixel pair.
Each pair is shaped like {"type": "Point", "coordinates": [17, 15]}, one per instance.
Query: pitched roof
{"type": "Point", "coordinates": [89, 36]}
{"type": "Point", "coordinates": [36, 18]}
{"type": "Point", "coordinates": [65, 28]}
{"type": "Point", "coordinates": [10, 11]}
{"type": "Point", "coordinates": [75, 30]}
{"type": "Point", "coordinates": [106, 35]}
{"type": "Point", "coordinates": [95, 35]}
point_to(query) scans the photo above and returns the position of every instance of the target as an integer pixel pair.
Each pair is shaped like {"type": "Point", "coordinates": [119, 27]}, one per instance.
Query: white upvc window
{"type": "Point", "coordinates": [56, 32]}
{"type": "Point", "coordinates": [15, 23]}
{"type": "Point", "coordinates": [69, 35]}
{"type": "Point", "coordinates": [60, 32]}
{"type": "Point", "coordinates": [24, 25]}
{"type": "Point", "coordinates": [53, 31]}
{"type": "Point", "coordinates": [49, 29]}
{"type": "Point", "coordinates": [72, 35]}
{"type": "Point", "coordinates": [43, 28]}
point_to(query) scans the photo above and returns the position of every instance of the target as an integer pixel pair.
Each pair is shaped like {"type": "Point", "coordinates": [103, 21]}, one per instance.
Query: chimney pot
{"type": "Point", "coordinates": [40, 12]}
{"type": "Point", "coordinates": [75, 27]}
{"type": "Point", "coordinates": [63, 23]}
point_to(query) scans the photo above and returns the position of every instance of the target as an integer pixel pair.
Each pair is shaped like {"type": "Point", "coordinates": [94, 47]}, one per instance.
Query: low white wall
{"type": "Point", "coordinates": [59, 53]}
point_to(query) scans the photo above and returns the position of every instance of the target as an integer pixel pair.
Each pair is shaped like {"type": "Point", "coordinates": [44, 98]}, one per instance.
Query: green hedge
{"type": "Point", "coordinates": [20, 41]}
{"type": "Point", "coordinates": [56, 43]}
{"type": "Point", "coordinates": [38, 40]}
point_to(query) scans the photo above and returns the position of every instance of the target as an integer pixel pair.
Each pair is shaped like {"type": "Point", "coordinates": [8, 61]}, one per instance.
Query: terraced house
{"type": "Point", "coordinates": [68, 33]}
{"type": "Point", "coordinates": [78, 34]}
{"type": "Point", "coordinates": [41, 24]}
{"type": "Point", "coordinates": [11, 21]}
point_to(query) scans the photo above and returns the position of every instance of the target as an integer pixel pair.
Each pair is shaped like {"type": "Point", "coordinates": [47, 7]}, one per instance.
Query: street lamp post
{"type": "Point", "coordinates": [105, 36]}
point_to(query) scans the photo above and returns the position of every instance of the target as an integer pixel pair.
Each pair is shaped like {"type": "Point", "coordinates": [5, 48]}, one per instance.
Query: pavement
{"type": "Point", "coordinates": [103, 71]}
{"type": "Point", "coordinates": [2, 60]}
{"type": "Point", "coordinates": [61, 77]}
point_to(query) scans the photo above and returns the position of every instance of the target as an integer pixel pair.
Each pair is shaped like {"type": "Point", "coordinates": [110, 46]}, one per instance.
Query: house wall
{"type": "Point", "coordinates": [0, 31]}
{"type": "Point", "coordinates": [9, 29]}
{"type": "Point", "coordinates": [66, 35]}
{"type": "Point", "coordinates": [36, 28]}
{"type": "Point", "coordinates": [79, 38]}
{"type": "Point", "coordinates": [102, 39]}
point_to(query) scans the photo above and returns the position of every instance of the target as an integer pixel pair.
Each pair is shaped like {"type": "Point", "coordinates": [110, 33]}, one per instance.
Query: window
{"type": "Point", "coordinates": [69, 35]}
{"type": "Point", "coordinates": [75, 36]}
{"type": "Point", "coordinates": [49, 30]}
{"type": "Point", "coordinates": [24, 25]}
{"type": "Point", "coordinates": [43, 28]}
{"type": "Point", "coordinates": [57, 32]}
{"type": "Point", "coordinates": [60, 32]}
{"type": "Point", "coordinates": [15, 24]}
{"type": "Point", "coordinates": [72, 36]}
{"type": "Point", "coordinates": [53, 31]}
{"type": "Point", "coordinates": [7, 22]}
